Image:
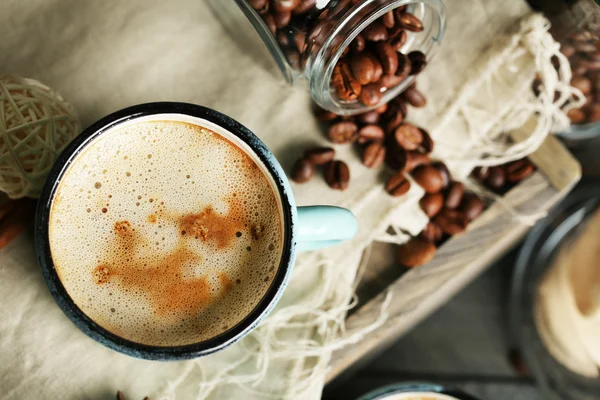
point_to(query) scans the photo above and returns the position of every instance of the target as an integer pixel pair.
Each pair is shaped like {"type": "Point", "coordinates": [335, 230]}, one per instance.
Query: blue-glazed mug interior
{"type": "Point", "coordinates": [165, 353]}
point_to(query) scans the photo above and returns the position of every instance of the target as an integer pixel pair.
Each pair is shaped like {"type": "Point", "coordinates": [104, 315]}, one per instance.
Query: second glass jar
{"type": "Point", "coordinates": [356, 54]}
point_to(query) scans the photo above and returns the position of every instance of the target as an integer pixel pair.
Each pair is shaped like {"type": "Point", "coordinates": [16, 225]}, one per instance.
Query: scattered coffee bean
{"type": "Point", "coordinates": [427, 144]}
{"type": "Point", "coordinates": [518, 170]}
{"type": "Point", "coordinates": [452, 222]}
{"type": "Point", "coordinates": [397, 185]}
{"type": "Point", "coordinates": [414, 97]}
{"type": "Point", "coordinates": [396, 157]}
{"type": "Point", "coordinates": [432, 203]}
{"type": "Point", "coordinates": [418, 62]}
{"type": "Point", "coordinates": [302, 171]}
{"type": "Point", "coordinates": [408, 136]}
{"type": "Point", "coordinates": [337, 175]}
{"type": "Point", "coordinates": [319, 155]}
{"type": "Point", "coordinates": [496, 178]}
{"type": "Point", "coordinates": [373, 155]}
{"type": "Point", "coordinates": [414, 159]}
{"type": "Point", "coordinates": [429, 178]}
{"type": "Point", "coordinates": [415, 252]}
{"type": "Point", "coordinates": [471, 206]}
{"type": "Point", "coordinates": [404, 66]}
{"type": "Point", "coordinates": [440, 166]}
{"type": "Point", "coordinates": [432, 232]}
{"type": "Point", "coordinates": [370, 117]}
{"type": "Point", "coordinates": [454, 195]}
{"type": "Point", "coordinates": [342, 132]}
{"type": "Point", "coordinates": [370, 133]}
{"type": "Point", "coordinates": [323, 115]}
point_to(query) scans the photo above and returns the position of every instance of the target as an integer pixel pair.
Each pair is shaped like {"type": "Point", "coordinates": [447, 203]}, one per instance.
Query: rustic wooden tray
{"type": "Point", "coordinates": [417, 292]}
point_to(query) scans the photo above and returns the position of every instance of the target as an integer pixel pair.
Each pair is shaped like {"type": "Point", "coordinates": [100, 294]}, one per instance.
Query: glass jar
{"type": "Point", "coordinates": [308, 38]}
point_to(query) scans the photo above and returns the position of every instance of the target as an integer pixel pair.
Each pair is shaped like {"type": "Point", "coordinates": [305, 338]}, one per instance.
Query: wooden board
{"type": "Point", "coordinates": [417, 292]}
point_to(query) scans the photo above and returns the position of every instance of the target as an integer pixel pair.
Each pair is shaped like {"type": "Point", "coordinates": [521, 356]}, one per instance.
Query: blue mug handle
{"type": "Point", "coordinates": [324, 226]}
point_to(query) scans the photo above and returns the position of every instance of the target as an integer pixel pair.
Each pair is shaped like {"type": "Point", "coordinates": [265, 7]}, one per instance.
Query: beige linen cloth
{"type": "Point", "coordinates": [106, 55]}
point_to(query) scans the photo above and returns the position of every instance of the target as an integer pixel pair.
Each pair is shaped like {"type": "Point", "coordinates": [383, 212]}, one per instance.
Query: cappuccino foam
{"type": "Point", "coordinates": [165, 232]}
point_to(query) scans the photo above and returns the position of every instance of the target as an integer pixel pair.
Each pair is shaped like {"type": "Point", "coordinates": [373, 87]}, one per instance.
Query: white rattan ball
{"type": "Point", "coordinates": [36, 124]}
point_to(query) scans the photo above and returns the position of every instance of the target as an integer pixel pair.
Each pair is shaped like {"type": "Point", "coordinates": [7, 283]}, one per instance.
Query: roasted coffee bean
{"type": "Point", "coordinates": [594, 112]}
{"type": "Point", "coordinates": [337, 175]}
{"type": "Point", "coordinates": [414, 159]}
{"type": "Point", "coordinates": [398, 40]}
{"type": "Point", "coordinates": [378, 72]}
{"type": "Point", "coordinates": [582, 83]}
{"type": "Point", "coordinates": [342, 132]}
{"type": "Point", "coordinates": [358, 44]}
{"type": "Point", "coordinates": [282, 6]}
{"type": "Point", "coordinates": [518, 170]}
{"type": "Point", "coordinates": [418, 62]}
{"type": "Point", "coordinates": [370, 95]}
{"type": "Point", "coordinates": [404, 66]}
{"type": "Point", "coordinates": [388, 57]}
{"type": "Point", "coordinates": [370, 117]}
{"type": "Point", "coordinates": [283, 39]}
{"type": "Point", "coordinates": [584, 47]}
{"type": "Point", "coordinates": [414, 97]}
{"type": "Point", "coordinates": [429, 178]}
{"type": "Point", "coordinates": [440, 166]}
{"type": "Point", "coordinates": [408, 136]}
{"type": "Point", "coordinates": [389, 81]}
{"type": "Point", "coordinates": [396, 157]}
{"type": "Point", "coordinates": [400, 105]}
{"type": "Point", "coordinates": [388, 20]}
{"type": "Point", "coordinates": [282, 19]}
{"type": "Point", "coordinates": [371, 132]}
{"type": "Point", "coordinates": [581, 36]}
{"type": "Point", "coordinates": [261, 6]}
{"type": "Point", "coordinates": [376, 32]}
{"type": "Point", "coordinates": [452, 222]}
{"type": "Point", "coordinates": [304, 6]}
{"type": "Point", "coordinates": [300, 41]}
{"type": "Point", "coordinates": [302, 171]}
{"type": "Point", "coordinates": [432, 232]}
{"type": "Point", "coordinates": [432, 203]}
{"type": "Point", "coordinates": [392, 119]}
{"type": "Point", "coordinates": [567, 50]}
{"type": "Point", "coordinates": [381, 109]}
{"type": "Point", "coordinates": [427, 144]}
{"type": "Point", "coordinates": [323, 115]}
{"type": "Point", "coordinates": [345, 85]}
{"type": "Point", "coordinates": [293, 58]}
{"type": "Point", "coordinates": [373, 155]}
{"type": "Point", "coordinates": [481, 173]}
{"type": "Point", "coordinates": [319, 155]}
{"type": "Point", "coordinates": [397, 185]}
{"type": "Point", "coordinates": [362, 68]}
{"type": "Point", "coordinates": [270, 22]}
{"type": "Point", "coordinates": [411, 23]}
{"type": "Point", "coordinates": [454, 195]}
{"type": "Point", "coordinates": [415, 252]}
{"type": "Point", "coordinates": [576, 115]}
{"type": "Point", "coordinates": [496, 178]}
{"type": "Point", "coordinates": [471, 206]}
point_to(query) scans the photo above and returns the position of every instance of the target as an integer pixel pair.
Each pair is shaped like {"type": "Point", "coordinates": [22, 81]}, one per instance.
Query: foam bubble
{"type": "Point", "coordinates": [165, 263]}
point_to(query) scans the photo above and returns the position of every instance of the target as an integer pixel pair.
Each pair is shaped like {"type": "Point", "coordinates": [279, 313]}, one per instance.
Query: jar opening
{"type": "Point", "coordinates": [320, 68]}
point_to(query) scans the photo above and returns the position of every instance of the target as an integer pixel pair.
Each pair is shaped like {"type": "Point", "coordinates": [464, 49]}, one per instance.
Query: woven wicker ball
{"type": "Point", "coordinates": [35, 126]}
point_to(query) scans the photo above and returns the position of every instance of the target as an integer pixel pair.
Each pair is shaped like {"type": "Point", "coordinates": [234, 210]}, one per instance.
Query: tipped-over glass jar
{"type": "Point", "coordinates": [355, 54]}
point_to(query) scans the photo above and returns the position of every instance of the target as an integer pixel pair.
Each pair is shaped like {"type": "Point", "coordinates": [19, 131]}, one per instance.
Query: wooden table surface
{"type": "Point", "coordinates": [464, 344]}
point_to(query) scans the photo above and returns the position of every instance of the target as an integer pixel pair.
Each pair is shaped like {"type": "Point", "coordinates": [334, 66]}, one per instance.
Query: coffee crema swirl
{"type": "Point", "coordinates": [165, 233]}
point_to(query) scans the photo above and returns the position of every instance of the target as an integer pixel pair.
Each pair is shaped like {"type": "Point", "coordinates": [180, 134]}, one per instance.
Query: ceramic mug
{"type": "Point", "coordinates": [413, 391]}
{"type": "Point", "coordinates": [305, 228]}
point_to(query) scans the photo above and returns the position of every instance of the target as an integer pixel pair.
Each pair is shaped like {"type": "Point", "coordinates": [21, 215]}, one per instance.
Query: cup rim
{"type": "Point", "coordinates": [102, 335]}
{"type": "Point", "coordinates": [385, 392]}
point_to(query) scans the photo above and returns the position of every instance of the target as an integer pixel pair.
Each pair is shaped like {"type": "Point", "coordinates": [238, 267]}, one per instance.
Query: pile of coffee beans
{"type": "Point", "coordinates": [502, 178]}
{"type": "Point", "coordinates": [372, 63]}
{"type": "Point", "coordinates": [382, 135]}
{"type": "Point", "coordinates": [582, 48]}
{"type": "Point", "coordinates": [450, 209]}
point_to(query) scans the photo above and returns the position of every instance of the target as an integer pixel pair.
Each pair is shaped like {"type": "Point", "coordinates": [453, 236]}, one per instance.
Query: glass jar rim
{"type": "Point", "coordinates": [321, 68]}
